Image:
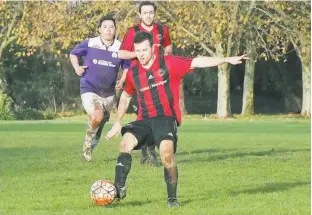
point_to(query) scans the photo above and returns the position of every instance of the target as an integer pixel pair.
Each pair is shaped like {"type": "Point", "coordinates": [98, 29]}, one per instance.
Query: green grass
{"type": "Point", "coordinates": [237, 167]}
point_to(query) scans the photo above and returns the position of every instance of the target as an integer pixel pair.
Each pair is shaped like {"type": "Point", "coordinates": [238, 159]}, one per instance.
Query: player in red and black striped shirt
{"type": "Point", "coordinates": [156, 82]}
{"type": "Point", "coordinates": [161, 38]}
{"type": "Point", "coordinates": [162, 43]}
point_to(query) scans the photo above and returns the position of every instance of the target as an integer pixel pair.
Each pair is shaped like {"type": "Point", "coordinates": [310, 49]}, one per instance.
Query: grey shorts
{"type": "Point", "coordinates": [92, 102]}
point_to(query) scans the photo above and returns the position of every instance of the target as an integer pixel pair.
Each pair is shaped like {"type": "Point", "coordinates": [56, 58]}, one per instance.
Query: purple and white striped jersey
{"type": "Point", "coordinates": [103, 65]}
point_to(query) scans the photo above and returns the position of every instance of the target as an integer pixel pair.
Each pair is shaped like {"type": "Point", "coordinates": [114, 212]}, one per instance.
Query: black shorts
{"type": "Point", "coordinates": [152, 131]}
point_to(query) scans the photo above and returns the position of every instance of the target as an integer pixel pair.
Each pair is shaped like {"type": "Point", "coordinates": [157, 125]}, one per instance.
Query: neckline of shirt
{"type": "Point", "coordinates": [106, 47]}
{"type": "Point", "coordinates": [147, 30]}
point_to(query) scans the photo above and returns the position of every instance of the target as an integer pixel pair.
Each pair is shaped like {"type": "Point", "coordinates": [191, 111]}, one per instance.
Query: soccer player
{"type": "Point", "coordinates": [147, 11]}
{"type": "Point", "coordinates": [156, 81]}
{"type": "Point", "coordinates": [98, 79]}
{"type": "Point", "coordinates": [162, 42]}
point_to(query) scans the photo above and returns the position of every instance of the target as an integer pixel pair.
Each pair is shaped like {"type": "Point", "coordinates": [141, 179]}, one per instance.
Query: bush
{"type": "Point", "coordinates": [7, 115]}
{"type": "Point", "coordinates": [28, 114]}
{"type": "Point", "coordinates": [32, 114]}
{"type": "Point", "coordinates": [6, 107]}
{"type": "Point", "coordinates": [48, 115]}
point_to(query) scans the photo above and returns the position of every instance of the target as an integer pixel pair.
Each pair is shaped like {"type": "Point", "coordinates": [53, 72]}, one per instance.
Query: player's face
{"type": "Point", "coordinates": [107, 30]}
{"type": "Point", "coordinates": [144, 52]}
{"type": "Point", "coordinates": [147, 15]}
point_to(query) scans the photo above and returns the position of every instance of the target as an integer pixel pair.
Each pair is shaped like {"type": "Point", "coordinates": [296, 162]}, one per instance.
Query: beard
{"type": "Point", "coordinates": [148, 23]}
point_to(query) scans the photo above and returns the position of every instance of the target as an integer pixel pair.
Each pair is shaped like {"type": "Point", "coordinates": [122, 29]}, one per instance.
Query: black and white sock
{"type": "Point", "coordinates": [123, 167]}
{"type": "Point", "coordinates": [171, 179]}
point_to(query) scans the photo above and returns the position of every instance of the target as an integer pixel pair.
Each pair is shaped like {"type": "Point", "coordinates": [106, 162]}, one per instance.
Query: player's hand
{"type": "Point", "coordinates": [80, 70]}
{"type": "Point", "coordinates": [119, 85]}
{"type": "Point", "coordinates": [237, 59]}
{"type": "Point", "coordinates": [116, 129]}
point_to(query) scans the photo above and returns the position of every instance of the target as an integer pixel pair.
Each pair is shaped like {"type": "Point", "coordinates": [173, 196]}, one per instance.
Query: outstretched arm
{"type": "Point", "coordinates": [126, 55]}
{"type": "Point", "coordinates": [202, 62]}
{"type": "Point", "coordinates": [122, 109]}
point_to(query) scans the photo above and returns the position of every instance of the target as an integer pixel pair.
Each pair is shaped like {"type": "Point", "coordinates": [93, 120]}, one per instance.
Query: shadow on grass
{"type": "Point", "coordinates": [145, 202]}
{"type": "Point", "coordinates": [129, 203]}
{"type": "Point", "coordinates": [271, 187]}
{"type": "Point", "coordinates": [200, 151]}
{"type": "Point", "coordinates": [184, 157]}
{"type": "Point", "coordinates": [185, 202]}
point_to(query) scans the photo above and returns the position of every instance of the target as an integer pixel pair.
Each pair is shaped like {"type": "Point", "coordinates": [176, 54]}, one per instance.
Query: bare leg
{"type": "Point", "coordinates": [93, 125]}
{"type": "Point", "coordinates": [96, 139]}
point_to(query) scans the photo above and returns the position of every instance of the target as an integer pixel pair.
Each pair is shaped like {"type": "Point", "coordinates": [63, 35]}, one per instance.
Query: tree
{"type": "Point", "coordinates": [248, 89]}
{"type": "Point", "coordinates": [208, 25]}
{"type": "Point", "coordinates": [12, 15]}
{"type": "Point", "coordinates": [293, 20]}
{"type": "Point", "coordinates": [52, 27]}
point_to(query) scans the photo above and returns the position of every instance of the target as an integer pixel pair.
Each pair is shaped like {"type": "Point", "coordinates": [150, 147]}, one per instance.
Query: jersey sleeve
{"type": "Point", "coordinates": [127, 43]}
{"type": "Point", "coordinates": [125, 64]}
{"type": "Point", "coordinates": [81, 49]}
{"type": "Point", "coordinates": [166, 41]}
{"type": "Point", "coordinates": [129, 88]}
{"type": "Point", "coordinates": [179, 66]}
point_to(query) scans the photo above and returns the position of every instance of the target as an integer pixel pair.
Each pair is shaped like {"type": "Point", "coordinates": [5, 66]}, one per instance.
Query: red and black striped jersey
{"type": "Point", "coordinates": [158, 88]}
{"type": "Point", "coordinates": [161, 38]}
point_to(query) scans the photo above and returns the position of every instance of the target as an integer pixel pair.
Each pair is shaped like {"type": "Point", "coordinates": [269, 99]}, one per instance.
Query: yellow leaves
{"type": "Point", "coordinates": [187, 18]}
{"type": "Point", "coordinates": [181, 46]}
{"type": "Point", "coordinates": [179, 11]}
{"type": "Point", "coordinates": [173, 34]}
{"type": "Point", "coordinates": [245, 19]}
{"type": "Point", "coordinates": [218, 29]}
{"type": "Point", "coordinates": [241, 18]}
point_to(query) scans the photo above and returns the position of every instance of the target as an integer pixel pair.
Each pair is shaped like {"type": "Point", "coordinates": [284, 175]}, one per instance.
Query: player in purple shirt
{"type": "Point", "coordinates": [98, 77]}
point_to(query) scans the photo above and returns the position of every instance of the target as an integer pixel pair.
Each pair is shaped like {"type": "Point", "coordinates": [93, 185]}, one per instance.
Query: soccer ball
{"type": "Point", "coordinates": [103, 192]}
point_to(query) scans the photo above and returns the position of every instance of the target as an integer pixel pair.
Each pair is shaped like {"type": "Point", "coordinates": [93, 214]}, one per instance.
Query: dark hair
{"type": "Point", "coordinates": [143, 3]}
{"type": "Point", "coordinates": [140, 36]}
{"type": "Point", "coordinates": [104, 18]}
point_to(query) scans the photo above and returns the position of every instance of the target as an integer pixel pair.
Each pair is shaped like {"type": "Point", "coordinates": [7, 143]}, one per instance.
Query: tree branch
{"type": "Point", "coordinates": [271, 16]}
{"type": "Point", "coordinates": [250, 10]}
{"type": "Point", "coordinates": [11, 25]}
{"type": "Point", "coordinates": [232, 30]}
{"type": "Point", "coordinates": [186, 31]}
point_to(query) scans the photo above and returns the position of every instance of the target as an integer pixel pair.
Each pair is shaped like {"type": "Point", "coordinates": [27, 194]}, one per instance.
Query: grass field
{"type": "Point", "coordinates": [232, 167]}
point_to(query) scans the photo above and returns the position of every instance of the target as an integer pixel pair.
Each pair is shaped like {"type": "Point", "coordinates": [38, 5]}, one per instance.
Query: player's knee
{"type": "Point", "coordinates": [96, 119]}
{"type": "Point", "coordinates": [167, 158]}
{"type": "Point", "coordinates": [128, 143]}
{"type": "Point", "coordinates": [123, 146]}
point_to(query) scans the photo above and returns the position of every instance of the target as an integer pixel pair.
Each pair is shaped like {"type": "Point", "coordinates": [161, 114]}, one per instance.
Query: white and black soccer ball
{"type": "Point", "coordinates": [103, 192]}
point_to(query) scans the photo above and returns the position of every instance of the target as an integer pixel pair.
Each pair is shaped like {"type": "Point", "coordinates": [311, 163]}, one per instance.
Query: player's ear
{"type": "Point", "coordinates": [153, 48]}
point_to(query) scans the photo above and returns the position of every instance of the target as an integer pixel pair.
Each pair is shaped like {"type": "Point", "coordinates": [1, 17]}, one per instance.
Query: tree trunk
{"type": "Point", "coordinates": [292, 102]}
{"type": "Point", "coordinates": [306, 90]}
{"type": "Point", "coordinates": [182, 103]}
{"type": "Point", "coordinates": [224, 106]}
{"type": "Point", "coordinates": [248, 91]}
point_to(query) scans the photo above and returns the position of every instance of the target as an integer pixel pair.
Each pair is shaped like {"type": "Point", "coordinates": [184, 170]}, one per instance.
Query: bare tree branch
{"type": "Point", "coordinates": [232, 30]}
{"type": "Point", "coordinates": [240, 33]}
{"type": "Point", "coordinates": [212, 53]}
